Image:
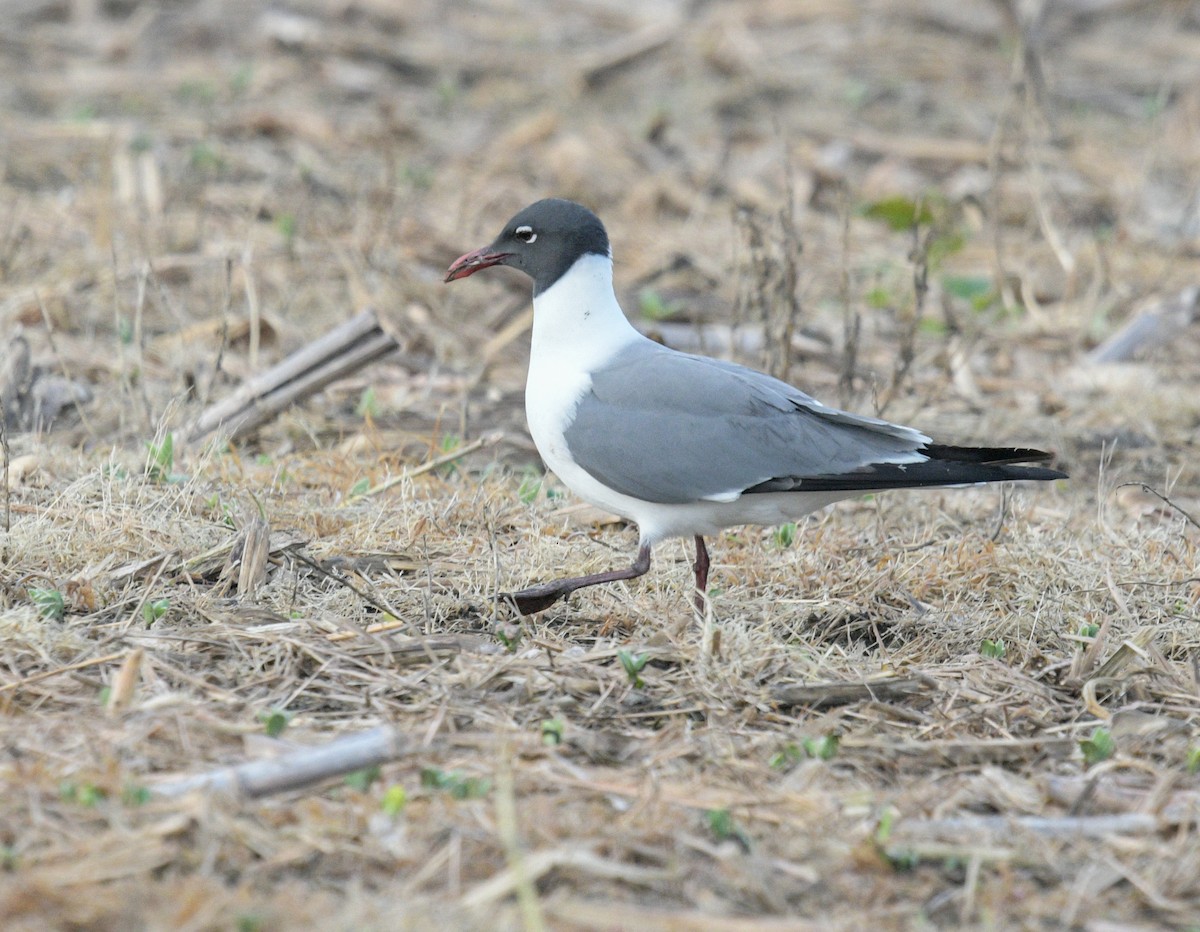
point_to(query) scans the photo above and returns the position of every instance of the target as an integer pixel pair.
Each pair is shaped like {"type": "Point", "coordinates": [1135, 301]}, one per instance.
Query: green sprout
{"type": "Point", "coordinates": [633, 665]}
{"type": "Point", "coordinates": [153, 610]}
{"type": "Point", "coordinates": [50, 603]}
{"type": "Point", "coordinates": [724, 828]}
{"type": "Point", "coordinates": [361, 780]}
{"type": "Point", "coordinates": [552, 731]}
{"type": "Point", "coordinates": [160, 461]}
{"type": "Point", "coordinates": [367, 405]}
{"type": "Point", "coordinates": [134, 795]}
{"type": "Point", "coordinates": [508, 636]}
{"type": "Point", "coordinates": [654, 307]}
{"type": "Point", "coordinates": [394, 800]}
{"type": "Point", "coordinates": [1099, 747]}
{"type": "Point", "coordinates": [84, 794]}
{"type": "Point", "coordinates": [823, 748]}
{"type": "Point", "coordinates": [457, 784]}
{"type": "Point", "coordinates": [786, 757]}
{"type": "Point", "coordinates": [528, 490]}
{"type": "Point", "coordinates": [274, 722]}
{"type": "Point", "coordinates": [785, 534]}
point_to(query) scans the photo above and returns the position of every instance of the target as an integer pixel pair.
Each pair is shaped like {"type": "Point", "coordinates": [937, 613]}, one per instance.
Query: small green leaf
{"type": "Point", "coordinates": [274, 722]}
{"type": "Point", "coordinates": [823, 748]}
{"type": "Point", "coordinates": [394, 800]}
{"type": "Point", "coordinates": [903, 859]}
{"type": "Point", "coordinates": [723, 827]}
{"type": "Point", "coordinates": [880, 298]}
{"type": "Point", "coordinates": [456, 783]}
{"type": "Point", "coordinates": [633, 665]}
{"type": "Point", "coordinates": [899, 213]}
{"type": "Point", "coordinates": [1099, 747]}
{"type": "Point", "coordinates": [976, 290]}
{"type": "Point", "coordinates": [367, 406]}
{"type": "Point", "coordinates": [204, 158]}
{"type": "Point", "coordinates": [152, 611]}
{"type": "Point", "coordinates": [887, 822]}
{"type": "Point", "coordinates": [785, 534]}
{"type": "Point", "coordinates": [50, 603]}
{"type": "Point", "coordinates": [552, 731]}
{"type": "Point", "coordinates": [83, 794]}
{"type": "Point", "coordinates": [361, 487]}
{"type": "Point", "coordinates": [509, 636]}
{"type": "Point", "coordinates": [134, 795]}
{"type": "Point", "coordinates": [944, 245]}
{"type": "Point", "coordinates": [160, 461]}
{"type": "Point", "coordinates": [450, 443]}
{"type": "Point", "coordinates": [361, 780]}
{"type": "Point", "coordinates": [786, 757]}
{"type": "Point", "coordinates": [1193, 760]}
{"type": "Point", "coordinates": [285, 223]}
{"type": "Point", "coordinates": [653, 307]}
{"type": "Point", "coordinates": [529, 488]}
{"type": "Point", "coordinates": [993, 649]}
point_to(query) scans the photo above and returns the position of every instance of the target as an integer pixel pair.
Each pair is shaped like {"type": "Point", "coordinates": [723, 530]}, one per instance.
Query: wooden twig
{"type": "Point", "coordinates": [1177, 808]}
{"type": "Point", "coordinates": [124, 683]}
{"type": "Point", "coordinates": [966, 751]}
{"type": "Point", "coordinates": [820, 695]}
{"type": "Point", "coordinates": [1138, 823]}
{"type": "Point", "coordinates": [1162, 498]}
{"type": "Point", "coordinates": [442, 460]}
{"type": "Point", "coordinates": [247, 560]}
{"type": "Point", "coordinates": [297, 769]}
{"type": "Point", "coordinates": [1156, 323]}
{"type": "Point", "coordinates": [46, 674]}
{"type": "Point", "coordinates": [618, 55]}
{"type": "Point", "coordinates": [343, 350]}
{"type": "Point", "coordinates": [576, 858]}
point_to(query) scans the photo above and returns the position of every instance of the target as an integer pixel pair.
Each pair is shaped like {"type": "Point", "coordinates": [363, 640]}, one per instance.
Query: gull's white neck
{"type": "Point", "coordinates": [578, 326]}
{"type": "Point", "coordinates": [577, 320]}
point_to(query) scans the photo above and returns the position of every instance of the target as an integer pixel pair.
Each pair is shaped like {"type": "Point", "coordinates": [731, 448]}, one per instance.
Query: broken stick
{"type": "Point", "coordinates": [343, 350]}
{"type": "Point", "coordinates": [298, 769]}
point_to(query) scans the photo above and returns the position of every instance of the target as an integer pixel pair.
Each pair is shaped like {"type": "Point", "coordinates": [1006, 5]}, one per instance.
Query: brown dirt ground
{"type": "Point", "coordinates": [169, 168]}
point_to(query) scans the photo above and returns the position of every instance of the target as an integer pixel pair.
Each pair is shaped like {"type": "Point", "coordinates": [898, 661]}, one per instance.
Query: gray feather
{"type": "Point", "coordinates": [706, 429]}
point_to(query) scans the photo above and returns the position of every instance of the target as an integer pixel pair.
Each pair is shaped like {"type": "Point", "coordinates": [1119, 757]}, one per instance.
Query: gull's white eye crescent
{"type": "Point", "coordinates": [525, 234]}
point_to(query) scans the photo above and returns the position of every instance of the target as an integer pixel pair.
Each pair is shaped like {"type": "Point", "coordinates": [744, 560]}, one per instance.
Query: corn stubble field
{"type": "Point", "coordinates": [966, 708]}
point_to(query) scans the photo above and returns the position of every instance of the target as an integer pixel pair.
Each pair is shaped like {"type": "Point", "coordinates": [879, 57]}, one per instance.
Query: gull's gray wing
{"type": "Point", "coordinates": [668, 427]}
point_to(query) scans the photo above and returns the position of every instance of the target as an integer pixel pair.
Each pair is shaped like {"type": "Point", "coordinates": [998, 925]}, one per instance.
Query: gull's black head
{"type": "Point", "coordinates": [543, 241]}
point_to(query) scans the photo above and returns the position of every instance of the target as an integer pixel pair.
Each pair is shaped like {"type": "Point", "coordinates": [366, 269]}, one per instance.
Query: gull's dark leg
{"type": "Point", "coordinates": [536, 598]}
{"type": "Point", "coordinates": [701, 569]}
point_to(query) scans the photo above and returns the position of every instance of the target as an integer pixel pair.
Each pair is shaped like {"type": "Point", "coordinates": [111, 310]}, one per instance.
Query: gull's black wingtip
{"type": "Point", "coordinates": [1000, 463]}
{"type": "Point", "coordinates": [946, 466]}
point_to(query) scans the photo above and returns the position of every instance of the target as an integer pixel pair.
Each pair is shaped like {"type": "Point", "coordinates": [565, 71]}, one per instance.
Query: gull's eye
{"type": "Point", "coordinates": [525, 234]}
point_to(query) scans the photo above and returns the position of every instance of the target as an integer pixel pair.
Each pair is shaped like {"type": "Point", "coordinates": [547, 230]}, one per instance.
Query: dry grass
{"type": "Point", "coordinates": [188, 193]}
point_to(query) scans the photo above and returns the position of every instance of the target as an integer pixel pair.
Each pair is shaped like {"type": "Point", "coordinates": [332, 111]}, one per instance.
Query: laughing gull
{"type": "Point", "coordinates": [685, 445]}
